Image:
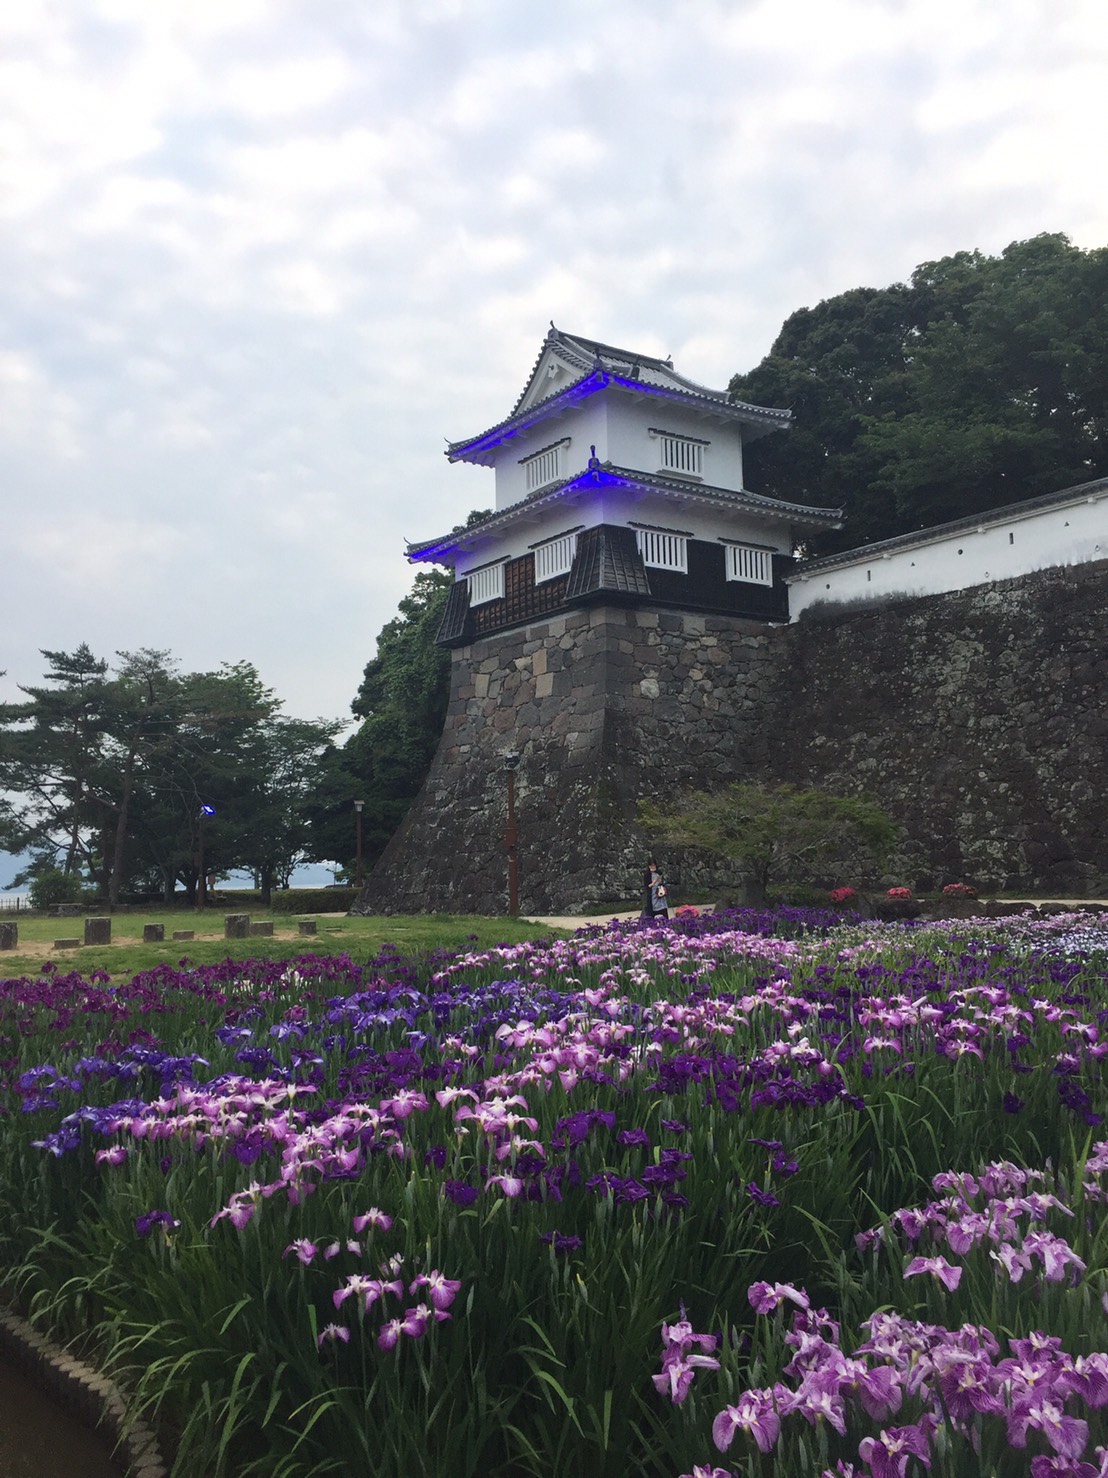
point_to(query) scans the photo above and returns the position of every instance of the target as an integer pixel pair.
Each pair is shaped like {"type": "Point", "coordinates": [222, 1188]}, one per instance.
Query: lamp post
{"type": "Point", "coordinates": [358, 843]}
{"type": "Point", "coordinates": [511, 835]}
{"type": "Point", "coordinates": [201, 884]}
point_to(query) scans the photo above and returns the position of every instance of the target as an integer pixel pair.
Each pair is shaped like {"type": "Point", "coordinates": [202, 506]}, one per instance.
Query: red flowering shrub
{"type": "Point", "coordinates": [687, 911]}
{"type": "Point", "coordinates": [842, 895]}
{"type": "Point", "coordinates": [959, 890]}
{"type": "Point", "coordinates": [902, 893]}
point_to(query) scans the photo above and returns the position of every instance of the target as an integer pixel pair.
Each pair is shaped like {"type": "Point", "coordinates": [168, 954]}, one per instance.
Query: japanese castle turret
{"type": "Point", "coordinates": [618, 481]}
{"type": "Point", "coordinates": [610, 624]}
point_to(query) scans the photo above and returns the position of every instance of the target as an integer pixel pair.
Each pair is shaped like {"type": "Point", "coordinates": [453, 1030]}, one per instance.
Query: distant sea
{"type": "Point", "coordinates": [312, 875]}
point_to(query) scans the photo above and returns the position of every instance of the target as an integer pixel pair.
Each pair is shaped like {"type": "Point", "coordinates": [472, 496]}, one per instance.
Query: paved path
{"type": "Point", "coordinates": [583, 921]}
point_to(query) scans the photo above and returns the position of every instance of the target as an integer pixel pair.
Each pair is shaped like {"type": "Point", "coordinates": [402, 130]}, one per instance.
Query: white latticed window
{"type": "Point", "coordinates": [546, 466]}
{"type": "Point", "coordinates": [681, 454]}
{"type": "Point", "coordinates": [663, 551]}
{"type": "Point", "coordinates": [486, 584]}
{"type": "Point", "coordinates": [555, 558]}
{"type": "Point", "coordinates": [746, 563]}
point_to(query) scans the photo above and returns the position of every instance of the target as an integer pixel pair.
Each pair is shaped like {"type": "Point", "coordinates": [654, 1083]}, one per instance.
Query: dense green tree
{"type": "Point", "coordinates": [107, 775]}
{"type": "Point", "coordinates": [981, 382]}
{"type": "Point", "coordinates": [771, 833]}
{"type": "Point", "coordinates": [50, 758]}
{"type": "Point", "coordinates": [402, 704]}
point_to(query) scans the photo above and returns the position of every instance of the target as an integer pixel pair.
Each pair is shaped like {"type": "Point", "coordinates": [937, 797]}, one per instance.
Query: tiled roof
{"type": "Point", "coordinates": [599, 365]}
{"type": "Point", "coordinates": [585, 354]}
{"type": "Point", "coordinates": [607, 559]}
{"type": "Point", "coordinates": [1079, 493]}
{"type": "Point", "coordinates": [600, 472]}
{"type": "Point", "coordinates": [453, 624]}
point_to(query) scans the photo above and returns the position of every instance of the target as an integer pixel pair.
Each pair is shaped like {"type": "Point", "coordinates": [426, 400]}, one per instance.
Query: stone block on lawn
{"type": "Point", "coordinates": [262, 929]}
{"type": "Point", "coordinates": [67, 944]}
{"type": "Point", "coordinates": [305, 926]}
{"type": "Point", "coordinates": [180, 934]}
{"type": "Point", "coordinates": [98, 931]}
{"type": "Point", "coordinates": [236, 926]}
{"type": "Point", "coordinates": [153, 933]}
{"type": "Point", "coordinates": [9, 935]}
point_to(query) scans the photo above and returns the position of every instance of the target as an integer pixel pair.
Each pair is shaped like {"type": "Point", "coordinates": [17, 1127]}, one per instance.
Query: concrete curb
{"type": "Point", "coordinates": [89, 1397]}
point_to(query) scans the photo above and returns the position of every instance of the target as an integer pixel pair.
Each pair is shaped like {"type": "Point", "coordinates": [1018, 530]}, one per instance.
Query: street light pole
{"type": "Point", "coordinates": [358, 832]}
{"type": "Point", "coordinates": [511, 834]}
{"type": "Point", "coordinates": [201, 884]}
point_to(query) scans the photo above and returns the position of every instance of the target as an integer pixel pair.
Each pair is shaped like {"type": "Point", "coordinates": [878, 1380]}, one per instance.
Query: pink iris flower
{"type": "Point", "coordinates": [948, 1275]}
{"type": "Point", "coordinates": [441, 1290]}
{"type": "Point", "coordinates": [372, 1218]}
{"type": "Point", "coordinates": [755, 1413]}
{"type": "Point", "coordinates": [765, 1297]}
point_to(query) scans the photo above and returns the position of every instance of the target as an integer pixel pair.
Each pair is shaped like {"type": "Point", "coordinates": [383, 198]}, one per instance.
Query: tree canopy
{"type": "Point", "coordinates": [401, 703]}
{"type": "Point", "coordinates": [982, 381]}
{"type": "Point", "coordinates": [770, 833]}
{"type": "Point", "coordinates": [402, 706]}
{"type": "Point", "coordinates": [104, 773]}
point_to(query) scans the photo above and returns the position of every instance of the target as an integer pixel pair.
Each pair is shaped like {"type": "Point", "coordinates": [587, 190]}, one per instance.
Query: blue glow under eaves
{"type": "Point", "coordinates": [509, 430]}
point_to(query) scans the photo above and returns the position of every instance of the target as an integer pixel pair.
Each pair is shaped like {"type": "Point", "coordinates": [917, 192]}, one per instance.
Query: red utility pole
{"type": "Point", "coordinates": [511, 834]}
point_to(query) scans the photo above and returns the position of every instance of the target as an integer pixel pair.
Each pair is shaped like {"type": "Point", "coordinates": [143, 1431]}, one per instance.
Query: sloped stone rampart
{"type": "Point", "coordinates": [978, 719]}
{"type": "Point", "coordinates": [604, 705]}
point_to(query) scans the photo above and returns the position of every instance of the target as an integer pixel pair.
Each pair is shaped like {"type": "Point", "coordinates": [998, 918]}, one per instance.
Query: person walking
{"type": "Point", "coordinates": [655, 903]}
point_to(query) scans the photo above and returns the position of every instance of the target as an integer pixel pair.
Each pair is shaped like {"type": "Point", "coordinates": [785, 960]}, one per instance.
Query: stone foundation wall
{"type": "Point", "coordinates": [978, 719]}
{"type": "Point", "coordinates": [605, 705]}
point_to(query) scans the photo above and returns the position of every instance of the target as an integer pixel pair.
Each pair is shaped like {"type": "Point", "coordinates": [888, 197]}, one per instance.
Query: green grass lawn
{"type": "Point", "coordinates": [361, 938]}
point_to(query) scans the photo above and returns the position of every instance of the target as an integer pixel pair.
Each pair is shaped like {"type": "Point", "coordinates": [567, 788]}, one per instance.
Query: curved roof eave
{"type": "Point", "coordinates": [436, 551]}
{"type": "Point", "coordinates": [761, 419]}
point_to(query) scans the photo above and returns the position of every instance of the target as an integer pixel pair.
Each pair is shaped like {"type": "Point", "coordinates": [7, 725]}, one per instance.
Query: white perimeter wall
{"type": "Point", "coordinates": [1068, 533]}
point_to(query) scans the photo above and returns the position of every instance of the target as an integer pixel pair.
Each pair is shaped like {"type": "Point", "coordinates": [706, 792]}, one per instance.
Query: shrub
{"type": "Point", "coordinates": [54, 886]}
{"type": "Point", "coordinates": [313, 900]}
{"type": "Point", "coordinates": [959, 890]}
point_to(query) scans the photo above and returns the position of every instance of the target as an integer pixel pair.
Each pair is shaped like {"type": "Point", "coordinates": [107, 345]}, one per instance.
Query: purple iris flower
{"type": "Point", "coordinates": [889, 1453]}
{"type": "Point", "coordinates": [146, 1223]}
{"type": "Point", "coordinates": [460, 1193]}
{"type": "Point", "coordinates": [561, 1242]}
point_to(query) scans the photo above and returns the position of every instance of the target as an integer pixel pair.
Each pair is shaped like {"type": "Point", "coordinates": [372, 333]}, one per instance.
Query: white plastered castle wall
{"type": "Point", "coordinates": [619, 426]}
{"type": "Point", "coordinates": [611, 505]}
{"type": "Point", "coordinates": [1074, 530]}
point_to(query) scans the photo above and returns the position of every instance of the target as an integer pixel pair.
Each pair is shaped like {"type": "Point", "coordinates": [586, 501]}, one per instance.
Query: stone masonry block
{"type": "Point", "coordinates": [98, 931]}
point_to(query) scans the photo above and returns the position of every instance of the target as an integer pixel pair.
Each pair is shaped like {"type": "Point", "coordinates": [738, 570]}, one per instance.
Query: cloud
{"type": "Point", "coordinates": [261, 258]}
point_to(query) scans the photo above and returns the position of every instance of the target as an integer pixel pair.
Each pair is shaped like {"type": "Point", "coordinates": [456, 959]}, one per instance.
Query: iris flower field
{"type": "Point", "coordinates": [748, 1193]}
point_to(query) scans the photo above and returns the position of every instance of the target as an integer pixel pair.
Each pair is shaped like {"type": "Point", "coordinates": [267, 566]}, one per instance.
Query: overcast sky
{"type": "Point", "coordinates": [260, 258]}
